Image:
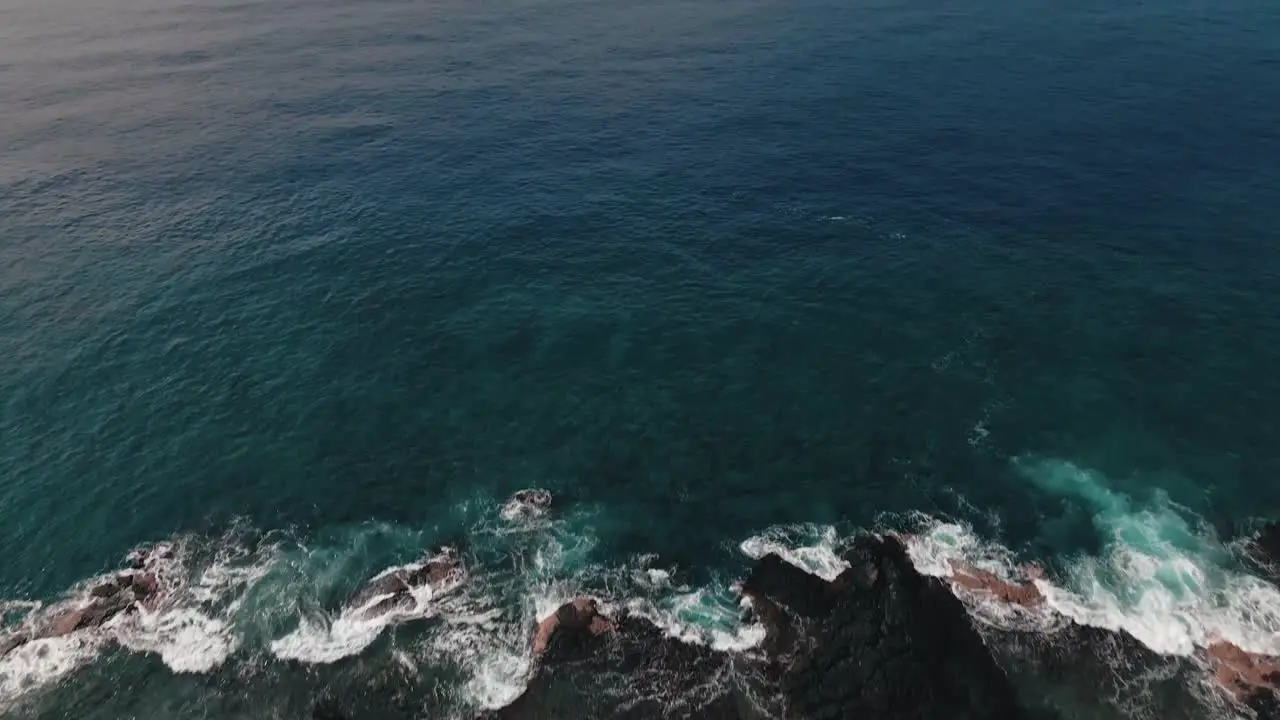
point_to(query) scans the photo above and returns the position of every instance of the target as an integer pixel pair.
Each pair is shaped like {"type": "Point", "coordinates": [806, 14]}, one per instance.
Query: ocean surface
{"type": "Point", "coordinates": [305, 288]}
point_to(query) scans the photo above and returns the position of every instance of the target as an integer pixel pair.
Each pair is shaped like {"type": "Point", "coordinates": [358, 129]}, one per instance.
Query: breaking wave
{"type": "Point", "coordinates": [1162, 575]}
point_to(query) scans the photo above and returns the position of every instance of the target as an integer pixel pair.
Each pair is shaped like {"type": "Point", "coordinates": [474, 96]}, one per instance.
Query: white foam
{"type": "Point", "coordinates": [187, 640]}
{"type": "Point", "coordinates": [499, 676]}
{"type": "Point", "coordinates": [184, 629]}
{"type": "Point", "coordinates": [323, 639]}
{"type": "Point", "coordinates": [494, 652]}
{"type": "Point", "coordinates": [42, 662]}
{"type": "Point", "coordinates": [549, 596]}
{"type": "Point", "coordinates": [812, 548]}
{"type": "Point", "coordinates": [1162, 577]}
{"type": "Point", "coordinates": [192, 630]}
{"type": "Point", "coordinates": [700, 617]}
{"type": "Point", "coordinates": [658, 578]}
{"type": "Point", "coordinates": [18, 606]}
{"type": "Point", "coordinates": [937, 548]}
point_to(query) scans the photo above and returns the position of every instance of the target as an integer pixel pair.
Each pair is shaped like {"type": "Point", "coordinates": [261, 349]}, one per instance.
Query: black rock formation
{"type": "Point", "coordinates": [881, 641]}
{"type": "Point", "coordinates": [632, 670]}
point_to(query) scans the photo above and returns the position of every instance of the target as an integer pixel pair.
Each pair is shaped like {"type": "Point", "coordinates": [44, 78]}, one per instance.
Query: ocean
{"type": "Point", "coordinates": [302, 289]}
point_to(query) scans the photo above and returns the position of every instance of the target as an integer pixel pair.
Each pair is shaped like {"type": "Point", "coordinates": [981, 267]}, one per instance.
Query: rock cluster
{"type": "Point", "coordinates": [125, 592]}
{"type": "Point", "coordinates": [880, 641]}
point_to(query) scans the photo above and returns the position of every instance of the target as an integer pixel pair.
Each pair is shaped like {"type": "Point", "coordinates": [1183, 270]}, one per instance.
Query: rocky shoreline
{"type": "Point", "coordinates": [881, 640]}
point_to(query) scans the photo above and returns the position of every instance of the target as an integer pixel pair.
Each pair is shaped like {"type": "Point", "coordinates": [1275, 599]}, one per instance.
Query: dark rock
{"type": "Point", "coordinates": [534, 498]}
{"type": "Point", "coordinates": [881, 641]}
{"type": "Point", "coordinates": [631, 670]}
{"type": "Point", "coordinates": [95, 614]}
{"type": "Point", "coordinates": [787, 585]}
{"type": "Point", "coordinates": [389, 603]}
{"type": "Point", "coordinates": [12, 642]}
{"type": "Point", "coordinates": [106, 589]}
{"type": "Point", "coordinates": [779, 628]}
{"type": "Point", "coordinates": [893, 645]}
{"type": "Point", "coordinates": [1264, 703]}
{"type": "Point", "coordinates": [1083, 671]}
{"type": "Point", "coordinates": [529, 503]}
{"type": "Point", "coordinates": [435, 572]}
{"type": "Point", "coordinates": [144, 584]}
{"type": "Point", "coordinates": [1264, 549]}
{"type": "Point", "coordinates": [575, 624]}
{"type": "Point", "coordinates": [391, 591]}
{"type": "Point", "coordinates": [393, 583]}
{"type": "Point", "coordinates": [327, 709]}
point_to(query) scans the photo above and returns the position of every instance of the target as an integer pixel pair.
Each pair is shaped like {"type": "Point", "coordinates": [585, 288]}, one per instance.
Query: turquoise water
{"type": "Point", "coordinates": [310, 287]}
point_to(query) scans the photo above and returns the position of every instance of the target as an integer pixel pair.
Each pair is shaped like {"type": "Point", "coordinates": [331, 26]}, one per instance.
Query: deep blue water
{"type": "Point", "coordinates": [325, 281]}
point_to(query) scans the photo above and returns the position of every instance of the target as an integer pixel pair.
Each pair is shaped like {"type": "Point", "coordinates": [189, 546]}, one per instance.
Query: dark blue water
{"type": "Point", "coordinates": [308, 287]}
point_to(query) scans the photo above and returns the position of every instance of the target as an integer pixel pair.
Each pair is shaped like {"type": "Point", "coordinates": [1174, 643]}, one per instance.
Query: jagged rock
{"type": "Point", "coordinates": [1083, 671]}
{"type": "Point", "coordinates": [622, 667]}
{"type": "Point", "coordinates": [803, 593]}
{"type": "Point", "coordinates": [894, 644]}
{"type": "Point", "coordinates": [881, 641]}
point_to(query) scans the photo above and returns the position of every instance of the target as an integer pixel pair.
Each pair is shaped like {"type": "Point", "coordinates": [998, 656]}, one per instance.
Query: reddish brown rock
{"type": "Point", "coordinates": [580, 617]}
{"type": "Point", "coordinates": [1242, 673]}
{"type": "Point", "coordinates": [980, 581]}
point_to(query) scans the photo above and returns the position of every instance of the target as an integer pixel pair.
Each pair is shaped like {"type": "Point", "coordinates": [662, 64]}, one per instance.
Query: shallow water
{"type": "Point", "coordinates": [311, 287]}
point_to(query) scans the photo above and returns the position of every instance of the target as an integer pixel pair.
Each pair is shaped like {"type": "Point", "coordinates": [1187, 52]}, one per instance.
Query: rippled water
{"type": "Point", "coordinates": [310, 287]}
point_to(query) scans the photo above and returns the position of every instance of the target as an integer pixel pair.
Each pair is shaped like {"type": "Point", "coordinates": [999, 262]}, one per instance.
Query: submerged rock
{"type": "Point", "coordinates": [527, 503]}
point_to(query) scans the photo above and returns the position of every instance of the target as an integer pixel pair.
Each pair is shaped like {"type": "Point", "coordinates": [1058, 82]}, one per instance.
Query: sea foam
{"type": "Point", "coordinates": [1161, 575]}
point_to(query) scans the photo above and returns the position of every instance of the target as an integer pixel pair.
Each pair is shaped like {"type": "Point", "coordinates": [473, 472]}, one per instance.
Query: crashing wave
{"type": "Point", "coordinates": [1161, 577]}
{"type": "Point", "coordinates": [812, 548]}
{"type": "Point", "coordinates": [397, 594]}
